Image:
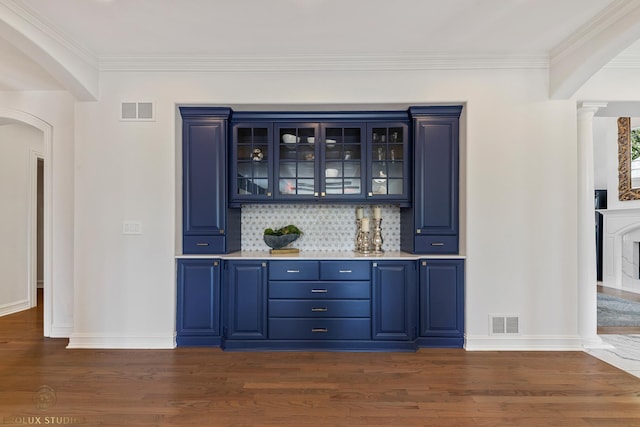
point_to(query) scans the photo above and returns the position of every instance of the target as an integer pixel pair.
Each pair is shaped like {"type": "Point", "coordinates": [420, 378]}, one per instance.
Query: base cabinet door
{"type": "Point", "coordinates": [394, 296]}
{"type": "Point", "coordinates": [246, 300]}
{"type": "Point", "coordinates": [198, 298]}
{"type": "Point", "coordinates": [441, 299]}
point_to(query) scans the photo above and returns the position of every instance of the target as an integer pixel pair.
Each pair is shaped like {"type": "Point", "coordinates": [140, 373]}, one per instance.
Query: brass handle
{"type": "Point", "coordinates": [345, 271]}
{"type": "Point", "coordinates": [319, 309]}
{"type": "Point", "coordinates": [418, 231]}
{"type": "Point", "coordinates": [424, 263]}
{"type": "Point", "coordinates": [215, 263]}
{"type": "Point", "coordinates": [221, 231]}
{"type": "Point", "coordinates": [315, 194]}
{"type": "Point", "coordinates": [293, 271]}
{"type": "Point", "coordinates": [268, 193]}
{"type": "Point", "coordinates": [370, 194]}
{"type": "Point", "coordinates": [318, 291]}
{"type": "Point", "coordinates": [264, 264]}
{"type": "Point", "coordinates": [319, 330]}
{"type": "Point", "coordinates": [202, 244]}
{"type": "Point", "coordinates": [437, 244]}
{"type": "Point", "coordinates": [323, 194]}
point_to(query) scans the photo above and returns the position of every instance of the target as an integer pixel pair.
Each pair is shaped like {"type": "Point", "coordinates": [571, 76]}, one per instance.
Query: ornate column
{"type": "Point", "coordinates": [587, 276]}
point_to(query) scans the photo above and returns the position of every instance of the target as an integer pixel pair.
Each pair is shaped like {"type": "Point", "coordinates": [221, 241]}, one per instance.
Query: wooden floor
{"type": "Point", "coordinates": [620, 330]}
{"type": "Point", "coordinates": [208, 387]}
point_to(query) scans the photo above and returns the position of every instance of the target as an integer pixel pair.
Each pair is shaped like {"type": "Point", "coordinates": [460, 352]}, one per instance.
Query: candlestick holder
{"type": "Point", "coordinates": [377, 240]}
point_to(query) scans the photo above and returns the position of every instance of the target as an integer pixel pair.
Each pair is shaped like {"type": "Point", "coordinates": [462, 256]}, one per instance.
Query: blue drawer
{"type": "Point", "coordinates": [294, 270]}
{"type": "Point", "coordinates": [320, 329]}
{"type": "Point", "coordinates": [319, 308]}
{"type": "Point", "coordinates": [345, 270]}
{"type": "Point", "coordinates": [436, 244]}
{"type": "Point", "coordinates": [203, 244]}
{"type": "Point", "coordinates": [320, 290]}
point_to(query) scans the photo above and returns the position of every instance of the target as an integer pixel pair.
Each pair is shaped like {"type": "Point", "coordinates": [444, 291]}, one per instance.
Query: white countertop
{"type": "Point", "coordinates": [322, 255]}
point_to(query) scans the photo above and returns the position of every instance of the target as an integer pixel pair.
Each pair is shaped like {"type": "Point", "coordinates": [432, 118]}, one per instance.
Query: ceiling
{"type": "Point", "coordinates": [106, 32]}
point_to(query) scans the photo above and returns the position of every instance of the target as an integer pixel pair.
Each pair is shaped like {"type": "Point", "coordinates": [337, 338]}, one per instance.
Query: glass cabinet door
{"type": "Point", "coordinates": [297, 153]}
{"type": "Point", "coordinates": [343, 161]}
{"type": "Point", "coordinates": [388, 161]}
{"type": "Point", "coordinates": [251, 160]}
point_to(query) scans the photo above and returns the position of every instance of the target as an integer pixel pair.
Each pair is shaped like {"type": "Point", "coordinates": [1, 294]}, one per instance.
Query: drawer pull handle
{"type": "Point", "coordinates": [437, 244]}
{"type": "Point", "coordinates": [316, 309]}
{"type": "Point", "coordinates": [319, 330]}
{"type": "Point", "coordinates": [318, 291]}
{"type": "Point", "coordinates": [345, 271]}
{"type": "Point", "coordinates": [293, 271]}
{"type": "Point", "coordinates": [202, 244]}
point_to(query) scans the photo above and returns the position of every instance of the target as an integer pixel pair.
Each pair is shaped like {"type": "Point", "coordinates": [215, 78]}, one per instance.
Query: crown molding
{"type": "Point", "coordinates": [593, 29]}
{"type": "Point", "coordinates": [22, 11]}
{"type": "Point", "coordinates": [322, 62]}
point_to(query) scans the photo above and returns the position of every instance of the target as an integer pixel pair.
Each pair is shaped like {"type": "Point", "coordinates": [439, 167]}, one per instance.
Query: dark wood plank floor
{"type": "Point", "coordinates": [209, 387]}
{"type": "Point", "coordinates": [619, 330]}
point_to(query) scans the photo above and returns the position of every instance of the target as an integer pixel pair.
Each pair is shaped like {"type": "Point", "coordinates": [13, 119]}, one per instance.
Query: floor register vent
{"type": "Point", "coordinates": [504, 324]}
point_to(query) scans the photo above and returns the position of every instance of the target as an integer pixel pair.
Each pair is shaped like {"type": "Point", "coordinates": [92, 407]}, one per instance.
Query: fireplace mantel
{"type": "Point", "coordinates": [621, 249]}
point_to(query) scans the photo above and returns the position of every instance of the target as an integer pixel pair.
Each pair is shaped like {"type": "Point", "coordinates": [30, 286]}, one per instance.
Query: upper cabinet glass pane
{"type": "Point", "coordinates": [388, 145]}
{"type": "Point", "coordinates": [251, 156]}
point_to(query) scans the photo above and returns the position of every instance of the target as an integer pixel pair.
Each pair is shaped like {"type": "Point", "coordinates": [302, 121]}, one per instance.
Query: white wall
{"type": "Point", "coordinates": [520, 194]}
{"type": "Point", "coordinates": [18, 143]}
{"type": "Point", "coordinates": [54, 110]}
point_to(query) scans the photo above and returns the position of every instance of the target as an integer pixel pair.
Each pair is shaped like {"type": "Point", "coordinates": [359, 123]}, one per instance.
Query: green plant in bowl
{"type": "Point", "coordinates": [282, 237]}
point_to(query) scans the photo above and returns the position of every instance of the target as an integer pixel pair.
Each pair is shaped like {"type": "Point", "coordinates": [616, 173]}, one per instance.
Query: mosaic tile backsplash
{"type": "Point", "coordinates": [326, 228]}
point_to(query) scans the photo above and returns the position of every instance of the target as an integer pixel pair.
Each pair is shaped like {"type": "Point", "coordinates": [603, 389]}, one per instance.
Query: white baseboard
{"type": "Point", "coordinates": [14, 307]}
{"type": "Point", "coordinates": [105, 341]}
{"type": "Point", "coordinates": [61, 330]}
{"type": "Point", "coordinates": [524, 343]}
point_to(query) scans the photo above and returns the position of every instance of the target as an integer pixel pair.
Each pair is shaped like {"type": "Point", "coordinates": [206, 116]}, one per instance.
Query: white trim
{"type": "Point", "coordinates": [32, 227]}
{"type": "Point", "coordinates": [322, 62]}
{"type": "Point", "coordinates": [106, 341]}
{"type": "Point", "coordinates": [15, 307]}
{"type": "Point", "coordinates": [524, 343]}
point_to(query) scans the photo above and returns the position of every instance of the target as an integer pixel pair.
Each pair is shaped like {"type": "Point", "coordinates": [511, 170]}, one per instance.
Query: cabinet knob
{"type": "Point", "coordinates": [221, 231]}
{"type": "Point", "coordinates": [418, 231]}
{"type": "Point", "coordinates": [424, 263]}
{"type": "Point", "coordinates": [264, 264]}
{"type": "Point", "coordinates": [268, 193]}
{"type": "Point", "coordinates": [323, 194]}
{"type": "Point", "coordinates": [215, 263]}
{"type": "Point", "coordinates": [315, 194]}
{"type": "Point", "coordinates": [370, 194]}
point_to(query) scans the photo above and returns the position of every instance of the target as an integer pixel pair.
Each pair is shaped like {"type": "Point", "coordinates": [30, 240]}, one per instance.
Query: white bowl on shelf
{"type": "Point", "coordinates": [288, 138]}
{"type": "Point", "coordinates": [311, 139]}
{"type": "Point", "coordinates": [330, 142]}
{"type": "Point", "coordinates": [331, 173]}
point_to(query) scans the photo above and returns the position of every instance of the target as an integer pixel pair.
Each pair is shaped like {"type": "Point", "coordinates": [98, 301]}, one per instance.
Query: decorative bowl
{"type": "Point", "coordinates": [288, 138]}
{"type": "Point", "coordinates": [331, 173]}
{"type": "Point", "coordinates": [279, 242]}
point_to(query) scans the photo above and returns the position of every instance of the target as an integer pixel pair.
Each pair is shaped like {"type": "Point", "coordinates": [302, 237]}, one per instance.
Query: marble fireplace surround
{"type": "Point", "coordinates": [621, 249]}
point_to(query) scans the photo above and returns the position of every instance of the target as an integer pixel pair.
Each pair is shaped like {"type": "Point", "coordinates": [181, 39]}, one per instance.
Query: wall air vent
{"type": "Point", "coordinates": [137, 111]}
{"type": "Point", "coordinates": [504, 324]}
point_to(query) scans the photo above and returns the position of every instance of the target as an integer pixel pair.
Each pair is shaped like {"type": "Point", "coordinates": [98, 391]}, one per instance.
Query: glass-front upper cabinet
{"type": "Point", "coordinates": [320, 161]}
{"type": "Point", "coordinates": [388, 161]}
{"type": "Point", "coordinates": [251, 160]}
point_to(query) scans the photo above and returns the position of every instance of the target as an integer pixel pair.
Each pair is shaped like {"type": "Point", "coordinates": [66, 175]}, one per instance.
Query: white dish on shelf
{"type": "Point", "coordinates": [330, 142]}
{"type": "Point", "coordinates": [288, 138]}
{"type": "Point", "coordinates": [311, 139]}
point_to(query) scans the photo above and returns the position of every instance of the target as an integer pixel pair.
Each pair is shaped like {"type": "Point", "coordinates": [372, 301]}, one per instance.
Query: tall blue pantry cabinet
{"type": "Point", "coordinates": [431, 225]}
{"type": "Point", "coordinates": [209, 225]}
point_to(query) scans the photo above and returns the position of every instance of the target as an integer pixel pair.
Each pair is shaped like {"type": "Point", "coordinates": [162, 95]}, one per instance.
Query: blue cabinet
{"type": "Point", "coordinates": [441, 303]}
{"type": "Point", "coordinates": [209, 226]}
{"type": "Point", "coordinates": [431, 225]}
{"type": "Point", "coordinates": [394, 300]}
{"type": "Point", "coordinates": [245, 296]}
{"type": "Point", "coordinates": [198, 302]}
{"type": "Point", "coordinates": [350, 157]}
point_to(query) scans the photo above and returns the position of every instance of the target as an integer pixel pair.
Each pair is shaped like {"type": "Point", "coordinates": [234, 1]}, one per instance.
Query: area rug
{"type": "Point", "coordinates": [614, 311]}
